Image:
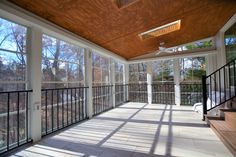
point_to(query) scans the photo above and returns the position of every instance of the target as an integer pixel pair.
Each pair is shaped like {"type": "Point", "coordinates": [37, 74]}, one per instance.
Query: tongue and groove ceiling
{"type": "Point", "coordinates": [116, 24]}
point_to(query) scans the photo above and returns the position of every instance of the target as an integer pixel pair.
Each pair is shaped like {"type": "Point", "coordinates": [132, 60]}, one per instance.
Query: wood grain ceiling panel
{"type": "Point", "coordinates": [117, 29]}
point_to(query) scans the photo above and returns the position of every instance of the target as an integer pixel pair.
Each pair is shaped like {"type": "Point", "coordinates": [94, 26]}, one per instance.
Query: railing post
{"type": "Point", "coordinates": [204, 96]}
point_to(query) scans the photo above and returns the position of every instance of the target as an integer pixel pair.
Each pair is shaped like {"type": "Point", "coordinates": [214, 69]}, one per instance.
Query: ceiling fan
{"type": "Point", "coordinates": [163, 49]}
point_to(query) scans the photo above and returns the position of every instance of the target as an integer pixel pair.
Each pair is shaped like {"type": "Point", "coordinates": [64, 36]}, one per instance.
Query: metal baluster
{"type": "Point", "coordinates": [27, 116]}
{"type": "Point", "coordinates": [79, 95]}
{"type": "Point", "coordinates": [62, 107]}
{"type": "Point", "coordinates": [18, 119]}
{"type": "Point", "coordinates": [67, 106]}
{"type": "Point", "coordinates": [57, 110]}
{"type": "Point", "coordinates": [220, 85]}
{"type": "Point", "coordinates": [8, 119]}
{"type": "Point", "coordinates": [82, 106]}
{"type": "Point", "coordinates": [95, 98]}
{"type": "Point", "coordinates": [76, 105]}
{"type": "Point", "coordinates": [71, 109]}
{"type": "Point", "coordinates": [234, 79]}
{"type": "Point", "coordinates": [224, 83]}
{"type": "Point", "coordinates": [52, 112]}
{"type": "Point", "coordinates": [46, 111]}
{"type": "Point", "coordinates": [101, 90]}
{"type": "Point", "coordinates": [210, 91]}
{"type": "Point", "coordinates": [215, 86]}
{"type": "Point", "coordinates": [229, 81]}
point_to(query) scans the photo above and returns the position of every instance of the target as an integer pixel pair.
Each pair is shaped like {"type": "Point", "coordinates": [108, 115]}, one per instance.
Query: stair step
{"type": "Point", "coordinates": [230, 138]}
{"type": "Point", "coordinates": [230, 115]}
{"type": "Point", "coordinates": [226, 133]}
{"type": "Point", "coordinates": [227, 110]}
{"type": "Point", "coordinates": [230, 118]}
{"type": "Point", "coordinates": [211, 117]}
{"type": "Point", "coordinates": [222, 125]}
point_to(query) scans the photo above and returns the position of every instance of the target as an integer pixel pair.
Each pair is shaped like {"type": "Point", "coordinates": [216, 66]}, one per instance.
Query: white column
{"type": "Point", "coordinates": [149, 82]}
{"type": "Point", "coordinates": [34, 50]}
{"type": "Point", "coordinates": [177, 82]}
{"type": "Point", "coordinates": [89, 81]}
{"type": "Point", "coordinates": [211, 63]}
{"type": "Point", "coordinates": [220, 47]}
{"type": "Point", "coordinates": [112, 76]}
{"type": "Point", "coordinates": [126, 80]}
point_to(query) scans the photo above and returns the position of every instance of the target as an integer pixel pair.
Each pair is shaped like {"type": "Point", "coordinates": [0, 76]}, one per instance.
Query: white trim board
{"type": "Point", "coordinates": [180, 55]}
{"type": "Point", "coordinates": [229, 23]}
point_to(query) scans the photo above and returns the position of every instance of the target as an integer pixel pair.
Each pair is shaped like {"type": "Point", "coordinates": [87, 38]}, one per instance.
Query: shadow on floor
{"type": "Point", "coordinates": [133, 130]}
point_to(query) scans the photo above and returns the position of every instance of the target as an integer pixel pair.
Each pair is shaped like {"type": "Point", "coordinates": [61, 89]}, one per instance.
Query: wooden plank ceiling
{"type": "Point", "coordinates": [115, 24]}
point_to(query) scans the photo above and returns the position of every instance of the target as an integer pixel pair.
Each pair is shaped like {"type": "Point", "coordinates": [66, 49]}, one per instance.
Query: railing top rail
{"type": "Point", "coordinates": [16, 91]}
{"type": "Point", "coordinates": [137, 83]}
{"type": "Point", "coordinates": [162, 83]}
{"type": "Point", "coordinates": [227, 64]}
{"type": "Point", "coordinates": [121, 84]}
{"type": "Point", "coordinates": [102, 86]}
{"type": "Point", "coordinates": [46, 89]}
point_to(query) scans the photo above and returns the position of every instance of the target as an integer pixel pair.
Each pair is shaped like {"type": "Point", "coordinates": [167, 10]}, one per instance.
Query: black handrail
{"type": "Point", "coordinates": [232, 61]}
{"type": "Point", "coordinates": [17, 107]}
{"type": "Point", "coordinates": [217, 87]}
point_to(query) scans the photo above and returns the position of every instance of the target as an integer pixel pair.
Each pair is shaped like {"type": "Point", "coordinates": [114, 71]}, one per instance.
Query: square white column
{"type": "Point", "coordinates": [149, 82]}
{"type": "Point", "coordinates": [126, 81]}
{"type": "Point", "coordinates": [89, 81]}
{"type": "Point", "coordinates": [112, 77]}
{"type": "Point", "coordinates": [177, 82]}
{"type": "Point", "coordinates": [34, 59]}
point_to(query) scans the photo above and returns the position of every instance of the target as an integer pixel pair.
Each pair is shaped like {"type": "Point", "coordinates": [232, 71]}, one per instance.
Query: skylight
{"type": "Point", "coordinates": [162, 30]}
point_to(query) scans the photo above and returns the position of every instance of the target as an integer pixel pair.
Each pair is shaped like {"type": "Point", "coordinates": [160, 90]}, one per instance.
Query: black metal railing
{"type": "Point", "coordinates": [102, 98]}
{"type": "Point", "coordinates": [14, 119]}
{"type": "Point", "coordinates": [163, 93]}
{"type": "Point", "coordinates": [191, 93]}
{"type": "Point", "coordinates": [63, 107]}
{"type": "Point", "coordinates": [219, 87]}
{"type": "Point", "coordinates": [138, 92]}
{"type": "Point", "coordinates": [120, 94]}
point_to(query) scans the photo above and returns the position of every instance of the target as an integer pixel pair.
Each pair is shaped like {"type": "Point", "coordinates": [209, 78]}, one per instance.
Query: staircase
{"type": "Point", "coordinates": [219, 95]}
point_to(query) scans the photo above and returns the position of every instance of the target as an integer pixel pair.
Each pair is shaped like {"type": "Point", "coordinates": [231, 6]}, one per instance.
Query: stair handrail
{"type": "Point", "coordinates": [210, 76]}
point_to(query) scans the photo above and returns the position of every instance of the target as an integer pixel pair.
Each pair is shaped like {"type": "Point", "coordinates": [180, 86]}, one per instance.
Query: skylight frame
{"type": "Point", "coordinates": [167, 28]}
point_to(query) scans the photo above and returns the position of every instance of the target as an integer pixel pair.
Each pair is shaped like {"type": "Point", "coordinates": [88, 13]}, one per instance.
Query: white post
{"type": "Point", "coordinates": [89, 81]}
{"type": "Point", "coordinates": [149, 82]}
{"type": "Point", "coordinates": [34, 50]}
{"type": "Point", "coordinates": [112, 76]}
{"type": "Point", "coordinates": [126, 81]}
{"type": "Point", "coordinates": [211, 64]}
{"type": "Point", "coordinates": [177, 82]}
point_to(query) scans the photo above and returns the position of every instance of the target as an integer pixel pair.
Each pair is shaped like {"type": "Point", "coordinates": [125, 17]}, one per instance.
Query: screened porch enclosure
{"type": "Point", "coordinates": [72, 77]}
